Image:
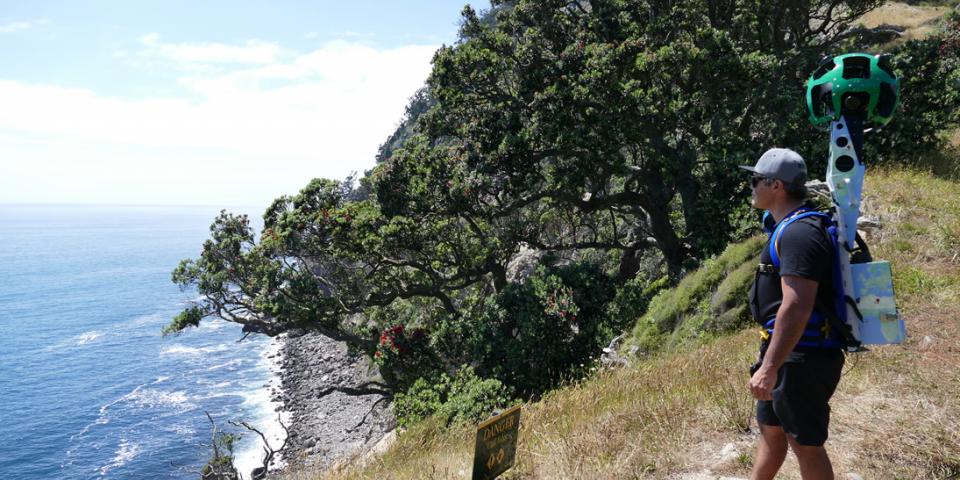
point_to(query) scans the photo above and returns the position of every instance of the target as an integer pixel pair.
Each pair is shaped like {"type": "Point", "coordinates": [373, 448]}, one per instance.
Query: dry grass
{"type": "Point", "coordinates": [895, 415]}
{"type": "Point", "coordinates": [919, 20]}
{"type": "Point", "coordinates": [633, 422]}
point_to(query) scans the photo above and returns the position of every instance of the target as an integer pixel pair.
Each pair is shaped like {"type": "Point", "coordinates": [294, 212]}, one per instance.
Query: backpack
{"type": "Point", "coordinates": [828, 325]}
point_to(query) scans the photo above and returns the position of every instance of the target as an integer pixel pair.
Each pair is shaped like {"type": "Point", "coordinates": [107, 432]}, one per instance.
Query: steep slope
{"type": "Point", "coordinates": [687, 413]}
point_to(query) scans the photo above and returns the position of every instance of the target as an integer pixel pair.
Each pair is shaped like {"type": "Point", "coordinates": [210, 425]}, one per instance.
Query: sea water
{"type": "Point", "coordinates": [88, 386]}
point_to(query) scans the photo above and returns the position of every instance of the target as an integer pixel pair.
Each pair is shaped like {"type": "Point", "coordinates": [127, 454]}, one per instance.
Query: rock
{"type": "Point", "coordinates": [854, 476]}
{"type": "Point", "coordinates": [727, 455]}
{"type": "Point", "coordinates": [324, 430]}
{"type": "Point", "coordinates": [869, 224]}
{"type": "Point", "coordinates": [819, 188]}
{"type": "Point", "coordinates": [522, 265]}
{"type": "Point", "coordinates": [610, 358]}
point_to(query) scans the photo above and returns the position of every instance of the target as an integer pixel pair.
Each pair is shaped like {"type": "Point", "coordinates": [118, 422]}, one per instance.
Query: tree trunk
{"type": "Point", "coordinates": [499, 274]}
{"type": "Point", "coordinates": [689, 191]}
{"type": "Point", "coordinates": [657, 206]}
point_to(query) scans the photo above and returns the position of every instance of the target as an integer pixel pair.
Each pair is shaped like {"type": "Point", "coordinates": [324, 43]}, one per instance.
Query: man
{"type": "Point", "coordinates": [800, 364]}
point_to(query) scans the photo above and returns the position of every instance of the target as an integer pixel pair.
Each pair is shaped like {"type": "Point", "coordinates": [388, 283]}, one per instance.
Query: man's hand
{"type": "Point", "coordinates": [762, 383]}
{"type": "Point", "coordinates": [799, 295]}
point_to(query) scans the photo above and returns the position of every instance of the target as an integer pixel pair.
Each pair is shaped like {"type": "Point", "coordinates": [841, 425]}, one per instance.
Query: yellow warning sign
{"type": "Point", "coordinates": [496, 447]}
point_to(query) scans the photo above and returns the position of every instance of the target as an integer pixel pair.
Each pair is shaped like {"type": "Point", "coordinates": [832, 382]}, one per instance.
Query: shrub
{"type": "Point", "coordinates": [403, 355]}
{"type": "Point", "coordinates": [465, 397]}
{"type": "Point", "coordinates": [708, 301]}
{"type": "Point", "coordinates": [532, 335]}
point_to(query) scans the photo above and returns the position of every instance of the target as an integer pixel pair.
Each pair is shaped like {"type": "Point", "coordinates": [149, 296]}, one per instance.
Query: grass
{"type": "Point", "coordinates": [700, 303]}
{"type": "Point", "coordinates": [919, 20]}
{"type": "Point", "coordinates": [625, 423]}
{"type": "Point", "coordinates": [895, 415]}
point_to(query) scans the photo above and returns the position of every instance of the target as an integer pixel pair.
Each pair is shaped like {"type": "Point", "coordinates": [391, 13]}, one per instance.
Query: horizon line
{"type": "Point", "coordinates": [85, 204]}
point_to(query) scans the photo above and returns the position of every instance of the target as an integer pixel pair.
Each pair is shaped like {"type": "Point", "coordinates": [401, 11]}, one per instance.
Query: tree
{"type": "Point", "coordinates": [220, 466]}
{"type": "Point", "coordinates": [624, 120]}
{"type": "Point", "coordinates": [604, 128]}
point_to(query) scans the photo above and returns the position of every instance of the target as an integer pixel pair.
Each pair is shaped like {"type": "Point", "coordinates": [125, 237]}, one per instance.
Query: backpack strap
{"type": "Point", "coordinates": [823, 321]}
{"type": "Point", "coordinates": [778, 232]}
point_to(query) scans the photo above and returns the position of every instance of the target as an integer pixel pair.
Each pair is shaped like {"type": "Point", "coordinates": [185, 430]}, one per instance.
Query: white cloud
{"type": "Point", "coordinates": [241, 136]}
{"type": "Point", "coordinates": [19, 26]}
{"type": "Point", "coordinates": [251, 52]}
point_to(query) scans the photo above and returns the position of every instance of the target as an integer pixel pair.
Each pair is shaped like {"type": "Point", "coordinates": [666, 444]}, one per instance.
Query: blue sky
{"type": "Point", "coordinates": [210, 102]}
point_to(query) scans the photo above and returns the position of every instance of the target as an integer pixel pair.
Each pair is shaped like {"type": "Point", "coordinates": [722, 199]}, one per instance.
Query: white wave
{"type": "Point", "coordinates": [184, 350]}
{"type": "Point", "coordinates": [196, 299]}
{"type": "Point", "coordinates": [263, 409]}
{"type": "Point", "coordinates": [149, 318]}
{"type": "Point", "coordinates": [231, 363]}
{"type": "Point", "coordinates": [213, 325]}
{"type": "Point", "coordinates": [141, 397]}
{"type": "Point", "coordinates": [82, 339]}
{"type": "Point", "coordinates": [183, 430]}
{"type": "Point", "coordinates": [87, 337]}
{"type": "Point", "coordinates": [103, 417]}
{"type": "Point", "coordinates": [125, 452]}
{"type": "Point", "coordinates": [155, 398]}
{"type": "Point", "coordinates": [221, 394]}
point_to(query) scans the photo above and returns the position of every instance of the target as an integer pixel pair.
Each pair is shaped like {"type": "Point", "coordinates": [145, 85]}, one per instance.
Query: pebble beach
{"type": "Point", "coordinates": [328, 429]}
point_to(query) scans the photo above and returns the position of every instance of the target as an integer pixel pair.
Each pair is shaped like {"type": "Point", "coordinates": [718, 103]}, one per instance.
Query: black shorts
{"type": "Point", "coordinates": [805, 384]}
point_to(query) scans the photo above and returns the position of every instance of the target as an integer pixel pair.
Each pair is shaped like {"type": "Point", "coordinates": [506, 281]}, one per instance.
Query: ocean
{"type": "Point", "coordinates": [88, 386]}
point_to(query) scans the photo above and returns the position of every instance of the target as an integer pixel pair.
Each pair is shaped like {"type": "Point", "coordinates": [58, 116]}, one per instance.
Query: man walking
{"type": "Point", "coordinates": [800, 361]}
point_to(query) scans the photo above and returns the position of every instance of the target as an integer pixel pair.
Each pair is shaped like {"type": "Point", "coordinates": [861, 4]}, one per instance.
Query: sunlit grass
{"type": "Point", "coordinates": [895, 414]}
{"type": "Point", "coordinates": [919, 20]}
{"type": "Point", "coordinates": [631, 422]}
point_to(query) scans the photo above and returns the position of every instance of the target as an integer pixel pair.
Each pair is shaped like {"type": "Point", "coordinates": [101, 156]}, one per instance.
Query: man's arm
{"type": "Point", "coordinates": [799, 297]}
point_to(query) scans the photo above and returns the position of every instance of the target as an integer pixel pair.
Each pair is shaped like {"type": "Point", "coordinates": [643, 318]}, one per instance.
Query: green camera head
{"type": "Point", "coordinates": [855, 84]}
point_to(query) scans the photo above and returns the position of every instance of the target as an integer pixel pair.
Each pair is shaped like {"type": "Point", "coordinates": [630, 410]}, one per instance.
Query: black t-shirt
{"type": "Point", "coordinates": [805, 251]}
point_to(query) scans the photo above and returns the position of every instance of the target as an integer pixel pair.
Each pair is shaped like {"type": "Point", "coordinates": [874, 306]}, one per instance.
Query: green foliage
{"type": "Point", "coordinates": [220, 466]}
{"type": "Point", "coordinates": [188, 318]}
{"type": "Point", "coordinates": [419, 103]}
{"type": "Point", "coordinates": [609, 135]}
{"type": "Point", "coordinates": [929, 70]}
{"type": "Point", "coordinates": [632, 299]}
{"type": "Point", "coordinates": [707, 301]}
{"type": "Point", "coordinates": [465, 397]}
{"type": "Point", "coordinates": [532, 335]}
{"type": "Point", "coordinates": [404, 355]}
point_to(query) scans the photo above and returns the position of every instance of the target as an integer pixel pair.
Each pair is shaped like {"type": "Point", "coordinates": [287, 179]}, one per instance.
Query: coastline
{"type": "Point", "coordinates": [328, 429]}
{"type": "Point", "coordinates": [270, 413]}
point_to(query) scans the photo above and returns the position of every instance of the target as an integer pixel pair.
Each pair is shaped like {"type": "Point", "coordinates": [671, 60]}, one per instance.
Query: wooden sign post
{"type": "Point", "coordinates": [496, 447]}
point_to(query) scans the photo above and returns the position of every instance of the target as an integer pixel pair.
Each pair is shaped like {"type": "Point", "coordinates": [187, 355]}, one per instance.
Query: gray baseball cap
{"type": "Point", "coordinates": [780, 163]}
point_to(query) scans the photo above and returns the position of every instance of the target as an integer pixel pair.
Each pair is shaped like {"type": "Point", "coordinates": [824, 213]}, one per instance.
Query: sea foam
{"type": "Point", "coordinates": [192, 351]}
{"type": "Point", "coordinates": [249, 455]}
{"type": "Point", "coordinates": [125, 452]}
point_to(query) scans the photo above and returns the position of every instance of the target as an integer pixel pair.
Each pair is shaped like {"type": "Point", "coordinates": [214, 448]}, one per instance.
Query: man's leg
{"type": "Point", "coordinates": [814, 462]}
{"type": "Point", "coordinates": [771, 450]}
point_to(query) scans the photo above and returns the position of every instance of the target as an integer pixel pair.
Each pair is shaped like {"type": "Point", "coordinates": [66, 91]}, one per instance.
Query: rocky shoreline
{"type": "Point", "coordinates": [325, 429]}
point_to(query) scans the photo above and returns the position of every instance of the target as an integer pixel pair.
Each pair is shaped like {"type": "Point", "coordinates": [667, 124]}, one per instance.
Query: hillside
{"type": "Point", "coordinates": [682, 409]}
{"type": "Point", "coordinates": [688, 414]}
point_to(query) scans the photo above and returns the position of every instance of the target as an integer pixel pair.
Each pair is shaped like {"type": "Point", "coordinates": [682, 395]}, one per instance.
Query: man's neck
{"type": "Point", "coordinates": [782, 210]}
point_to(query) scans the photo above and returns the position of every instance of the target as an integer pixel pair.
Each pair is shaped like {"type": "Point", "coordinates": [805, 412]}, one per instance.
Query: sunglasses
{"type": "Point", "coordinates": [754, 180]}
